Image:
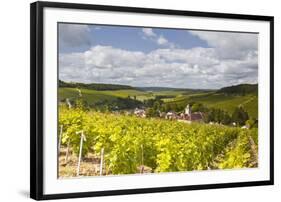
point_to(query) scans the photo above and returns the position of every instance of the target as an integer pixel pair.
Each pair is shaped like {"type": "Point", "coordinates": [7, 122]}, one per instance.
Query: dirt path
{"type": "Point", "coordinates": [220, 157]}
{"type": "Point", "coordinates": [254, 152]}
{"type": "Point", "coordinates": [89, 165]}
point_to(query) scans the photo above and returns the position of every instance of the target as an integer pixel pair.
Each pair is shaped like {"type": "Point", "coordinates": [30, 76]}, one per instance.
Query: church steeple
{"type": "Point", "coordinates": [187, 110]}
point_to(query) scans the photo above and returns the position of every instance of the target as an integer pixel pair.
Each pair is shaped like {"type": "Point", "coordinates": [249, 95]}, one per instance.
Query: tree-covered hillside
{"type": "Point", "coordinates": [94, 86]}
{"type": "Point", "coordinates": [241, 89]}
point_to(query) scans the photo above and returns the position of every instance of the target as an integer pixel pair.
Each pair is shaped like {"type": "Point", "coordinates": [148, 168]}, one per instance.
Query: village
{"type": "Point", "coordinates": [186, 116]}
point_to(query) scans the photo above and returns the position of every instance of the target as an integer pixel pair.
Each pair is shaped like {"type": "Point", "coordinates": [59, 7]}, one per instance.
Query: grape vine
{"type": "Point", "coordinates": [129, 142]}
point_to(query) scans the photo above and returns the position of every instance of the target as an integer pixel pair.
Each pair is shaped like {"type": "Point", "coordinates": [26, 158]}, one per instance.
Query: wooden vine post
{"type": "Point", "coordinates": [101, 160]}
{"type": "Point", "coordinates": [142, 165]}
{"type": "Point", "coordinates": [68, 142]}
{"type": "Point", "coordinates": [67, 151]}
{"type": "Point", "coordinates": [59, 141]}
{"type": "Point", "coordinates": [83, 138]}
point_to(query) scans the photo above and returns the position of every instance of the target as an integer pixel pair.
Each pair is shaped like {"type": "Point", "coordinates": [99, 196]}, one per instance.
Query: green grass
{"type": "Point", "coordinates": [182, 98]}
{"type": "Point", "coordinates": [67, 93]}
{"type": "Point", "coordinates": [93, 96]}
{"type": "Point", "coordinates": [252, 107]}
{"type": "Point", "coordinates": [140, 95]}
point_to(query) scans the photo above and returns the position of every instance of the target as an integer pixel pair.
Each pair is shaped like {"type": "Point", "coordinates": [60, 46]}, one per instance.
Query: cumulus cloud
{"type": "Point", "coordinates": [74, 35]}
{"type": "Point", "coordinates": [230, 45]}
{"type": "Point", "coordinates": [148, 32]}
{"type": "Point", "coordinates": [160, 40]}
{"type": "Point", "coordinates": [171, 67]}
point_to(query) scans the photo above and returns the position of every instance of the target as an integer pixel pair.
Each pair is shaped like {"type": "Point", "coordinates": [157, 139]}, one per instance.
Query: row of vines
{"type": "Point", "coordinates": [128, 142]}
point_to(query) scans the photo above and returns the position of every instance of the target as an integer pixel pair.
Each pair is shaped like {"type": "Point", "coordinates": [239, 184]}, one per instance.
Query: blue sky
{"type": "Point", "coordinates": [131, 38]}
{"type": "Point", "coordinates": [141, 56]}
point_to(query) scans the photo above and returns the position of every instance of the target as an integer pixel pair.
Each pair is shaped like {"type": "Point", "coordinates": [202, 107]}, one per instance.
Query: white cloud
{"type": "Point", "coordinates": [148, 32]}
{"type": "Point", "coordinates": [229, 45]}
{"type": "Point", "coordinates": [109, 57]}
{"type": "Point", "coordinates": [160, 40]}
{"type": "Point", "coordinates": [189, 68]}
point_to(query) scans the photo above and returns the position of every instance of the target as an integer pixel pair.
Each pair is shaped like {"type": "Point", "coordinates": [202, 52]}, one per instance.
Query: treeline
{"type": "Point", "coordinates": [159, 89]}
{"type": "Point", "coordinates": [117, 104]}
{"type": "Point", "coordinates": [239, 116]}
{"type": "Point", "coordinates": [241, 89]}
{"type": "Point", "coordinates": [155, 106]}
{"type": "Point", "coordinates": [94, 86]}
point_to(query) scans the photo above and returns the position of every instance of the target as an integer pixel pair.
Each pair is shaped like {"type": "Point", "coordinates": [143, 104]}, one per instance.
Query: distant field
{"type": "Point", "coordinates": [210, 99]}
{"type": "Point", "coordinates": [183, 97]}
{"type": "Point", "coordinates": [93, 96]}
{"type": "Point", "coordinates": [222, 101]}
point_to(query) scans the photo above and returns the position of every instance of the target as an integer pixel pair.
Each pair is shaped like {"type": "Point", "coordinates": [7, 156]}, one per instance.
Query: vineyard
{"type": "Point", "coordinates": [94, 143]}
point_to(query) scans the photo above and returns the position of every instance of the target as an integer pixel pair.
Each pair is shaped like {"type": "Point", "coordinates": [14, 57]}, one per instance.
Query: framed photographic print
{"type": "Point", "coordinates": [136, 100]}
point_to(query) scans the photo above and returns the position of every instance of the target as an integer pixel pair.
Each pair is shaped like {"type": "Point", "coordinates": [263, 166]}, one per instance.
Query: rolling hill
{"type": "Point", "coordinates": [241, 89]}
{"type": "Point", "coordinates": [93, 86]}
{"type": "Point", "coordinates": [227, 98]}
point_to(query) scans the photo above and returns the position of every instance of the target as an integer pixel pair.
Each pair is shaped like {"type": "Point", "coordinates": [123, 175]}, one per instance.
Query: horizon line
{"type": "Point", "coordinates": [185, 88]}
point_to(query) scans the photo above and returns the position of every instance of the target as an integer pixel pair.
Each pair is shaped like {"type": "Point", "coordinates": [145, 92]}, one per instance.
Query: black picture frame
{"type": "Point", "coordinates": [36, 98]}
